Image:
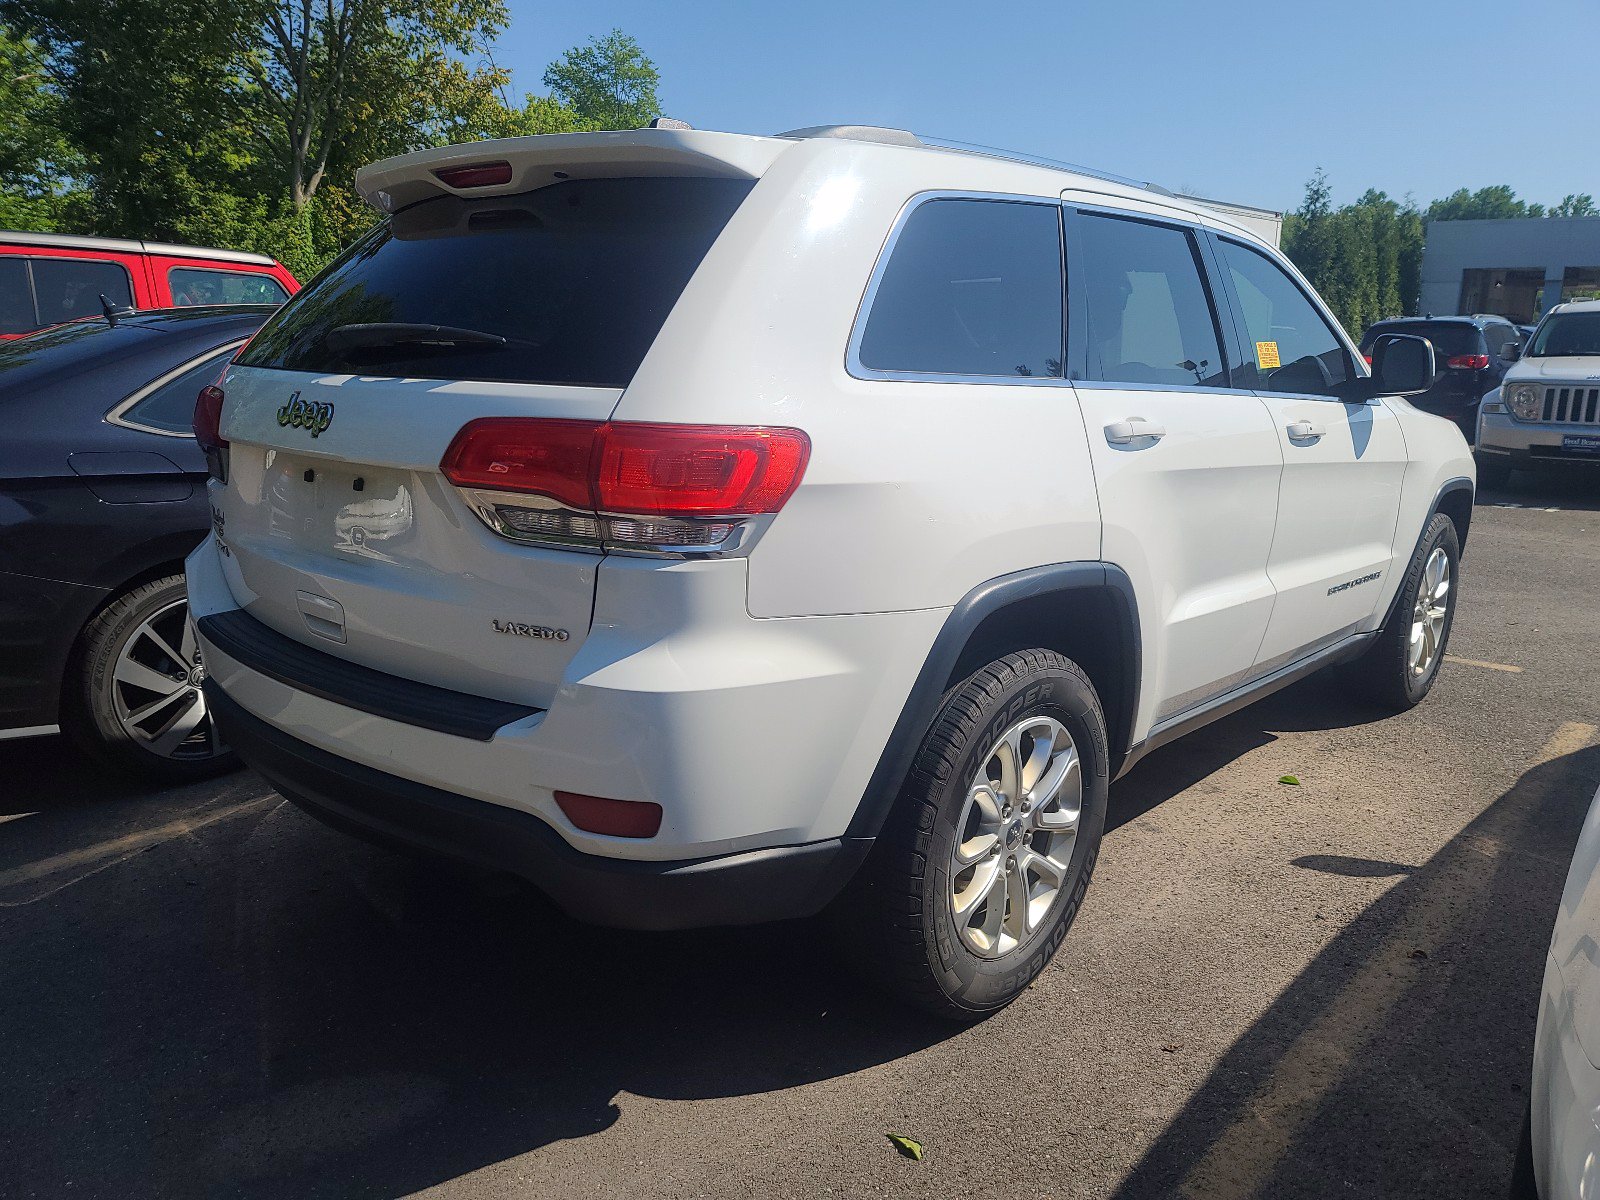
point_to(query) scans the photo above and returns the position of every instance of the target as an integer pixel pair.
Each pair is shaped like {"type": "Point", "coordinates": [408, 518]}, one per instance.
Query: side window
{"type": "Point", "coordinates": [1149, 318]}
{"type": "Point", "coordinates": [170, 407]}
{"type": "Point", "coordinates": [16, 297]}
{"type": "Point", "coordinates": [1498, 336]}
{"type": "Point", "coordinates": [195, 285]}
{"type": "Point", "coordinates": [1294, 348]}
{"type": "Point", "coordinates": [69, 288]}
{"type": "Point", "coordinates": [972, 287]}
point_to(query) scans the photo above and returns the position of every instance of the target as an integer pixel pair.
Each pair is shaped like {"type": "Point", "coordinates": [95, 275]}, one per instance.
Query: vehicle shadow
{"type": "Point", "coordinates": [253, 1005]}
{"type": "Point", "coordinates": [1574, 488]}
{"type": "Point", "coordinates": [1397, 1063]}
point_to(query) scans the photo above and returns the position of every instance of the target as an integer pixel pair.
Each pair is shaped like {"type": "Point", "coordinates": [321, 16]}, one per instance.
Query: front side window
{"type": "Point", "coordinates": [68, 288]}
{"type": "Point", "coordinates": [196, 285]}
{"type": "Point", "coordinates": [1290, 347]}
{"type": "Point", "coordinates": [1149, 318]}
{"type": "Point", "coordinates": [971, 287]}
{"type": "Point", "coordinates": [170, 407]}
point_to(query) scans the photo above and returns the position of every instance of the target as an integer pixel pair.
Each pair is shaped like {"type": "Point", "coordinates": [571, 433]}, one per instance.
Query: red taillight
{"type": "Point", "coordinates": [208, 431]}
{"type": "Point", "coordinates": [1368, 357]}
{"type": "Point", "coordinates": [633, 468]}
{"type": "Point", "coordinates": [697, 470]}
{"type": "Point", "coordinates": [615, 818]}
{"type": "Point", "coordinates": [476, 175]}
{"type": "Point", "coordinates": [513, 454]}
{"type": "Point", "coordinates": [208, 418]}
{"type": "Point", "coordinates": [1469, 362]}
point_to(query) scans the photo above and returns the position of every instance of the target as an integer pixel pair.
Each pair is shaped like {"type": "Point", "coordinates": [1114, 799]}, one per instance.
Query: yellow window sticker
{"type": "Point", "coordinates": [1267, 356]}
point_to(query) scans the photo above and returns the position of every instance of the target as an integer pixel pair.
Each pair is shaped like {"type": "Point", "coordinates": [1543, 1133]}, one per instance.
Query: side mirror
{"type": "Point", "coordinates": [1402, 365]}
{"type": "Point", "coordinates": [1511, 351]}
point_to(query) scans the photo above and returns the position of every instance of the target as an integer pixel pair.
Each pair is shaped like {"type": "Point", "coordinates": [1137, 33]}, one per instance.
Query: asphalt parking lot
{"type": "Point", "coordinates": [1272, 991]}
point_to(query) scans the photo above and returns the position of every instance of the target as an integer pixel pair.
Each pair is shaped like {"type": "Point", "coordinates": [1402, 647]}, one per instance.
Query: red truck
{"type": "Point", "coordinates": [48, 278]}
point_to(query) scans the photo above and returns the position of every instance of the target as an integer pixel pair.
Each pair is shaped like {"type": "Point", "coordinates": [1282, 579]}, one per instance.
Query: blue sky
{"type": "Point", "coordinates": [1239, 101]}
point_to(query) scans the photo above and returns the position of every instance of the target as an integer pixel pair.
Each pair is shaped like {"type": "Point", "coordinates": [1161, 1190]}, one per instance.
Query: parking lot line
{"type": "Point", "coordinates": [1245, 1155]}
{"type": "Point", "coordinates": [1475, 662]}
{"type": "Point", "coordinates": [103, 854]}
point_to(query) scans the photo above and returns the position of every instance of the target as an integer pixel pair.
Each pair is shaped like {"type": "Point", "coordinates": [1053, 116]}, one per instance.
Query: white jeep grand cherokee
{"type": "Point", "coordinates": [715, 529]}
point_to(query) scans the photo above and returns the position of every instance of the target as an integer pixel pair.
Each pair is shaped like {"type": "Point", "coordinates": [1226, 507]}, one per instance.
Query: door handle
{"type": "Point", "coordinates": [1305, 431]}
{"type": "Point", "coordinates": [1120, 433]}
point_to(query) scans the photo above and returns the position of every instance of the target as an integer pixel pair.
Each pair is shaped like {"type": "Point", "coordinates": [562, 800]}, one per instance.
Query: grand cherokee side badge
{"type": "Point", "coordinates": [518, 629]}
{"type": "Point", "coordinates": [306, 414]}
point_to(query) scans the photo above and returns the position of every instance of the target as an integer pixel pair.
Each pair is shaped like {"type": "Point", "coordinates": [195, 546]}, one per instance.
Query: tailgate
{"type": "Point", "coordinates": [342, 533]}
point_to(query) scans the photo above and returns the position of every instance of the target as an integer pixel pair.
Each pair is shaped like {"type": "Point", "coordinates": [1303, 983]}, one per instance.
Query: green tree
{"type": "Point", "coordinates": [608, 83]}
{"type": "Point", "coordinates": [1486, 204]}
{"type": "Point", "coordinates": [38, 167]}
{"type": "Point", "coordinates": [1580, 205]}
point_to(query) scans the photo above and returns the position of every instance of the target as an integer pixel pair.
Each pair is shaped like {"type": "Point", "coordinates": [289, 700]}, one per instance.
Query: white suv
{"type": "Point", "coordinates": [1547, 409]}
{"type": "Point", "coordinates": [716, 529]}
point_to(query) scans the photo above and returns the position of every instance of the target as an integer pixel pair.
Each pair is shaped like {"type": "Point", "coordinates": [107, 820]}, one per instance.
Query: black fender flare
{"type": "Point", "coordinates": [1073, 583]}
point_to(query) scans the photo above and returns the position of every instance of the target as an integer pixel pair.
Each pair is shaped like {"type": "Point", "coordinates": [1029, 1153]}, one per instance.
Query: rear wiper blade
{"type": "Point", "coordinates": [405, 333]}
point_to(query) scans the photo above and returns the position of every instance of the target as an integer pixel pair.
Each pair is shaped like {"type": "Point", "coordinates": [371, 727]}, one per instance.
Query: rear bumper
{"type": "Point", "coordinates": [736, 889]}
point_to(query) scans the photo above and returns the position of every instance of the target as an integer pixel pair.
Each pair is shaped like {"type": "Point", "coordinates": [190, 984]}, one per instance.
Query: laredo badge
{"type": "Point", "coordinates": [305, 414]}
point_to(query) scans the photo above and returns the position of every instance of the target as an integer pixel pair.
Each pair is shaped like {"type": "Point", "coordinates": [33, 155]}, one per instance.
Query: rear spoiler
{"type": "Point", "coordinates": [521, 164]}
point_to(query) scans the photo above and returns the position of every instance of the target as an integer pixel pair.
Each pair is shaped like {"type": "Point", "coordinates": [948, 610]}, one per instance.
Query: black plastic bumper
{"type": "Point", "coordinates": [738, 889]}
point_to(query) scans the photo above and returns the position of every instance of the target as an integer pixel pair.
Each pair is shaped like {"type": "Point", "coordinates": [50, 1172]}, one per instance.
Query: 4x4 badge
{"type": "Point", "coordinates": [306, 414]}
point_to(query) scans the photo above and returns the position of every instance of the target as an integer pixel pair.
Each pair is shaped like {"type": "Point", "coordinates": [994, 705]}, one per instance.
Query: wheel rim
{"type": "Point", "coordinates": [155, 688]}
{"type": "Point", "coordinates": [1429, 612]}
{"type": "Point", "coordinates": [1014, 841]}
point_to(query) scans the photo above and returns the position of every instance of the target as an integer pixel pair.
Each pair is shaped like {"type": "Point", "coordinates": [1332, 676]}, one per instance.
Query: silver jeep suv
{"type": "Point", "coordinates": [1547, 409]}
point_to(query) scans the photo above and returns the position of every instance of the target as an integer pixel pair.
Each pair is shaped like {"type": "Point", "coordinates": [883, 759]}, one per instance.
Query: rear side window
{"type": "Point", "coordinates": [169, 407]}
{"type": "Point", "coordinates": [1294, 348]}
{"type": "Point", "coordinates": [68, 288]}
{"type": "Point", "coordinates": [568, 284]}
{"type": "Point", "coordinates": [196, 285]}
{"type": "Point", "coordinates": [972, 287]}
{"type": "Point", "coordinates": [1150, 320]}
{"type": "Point", "coordinates": [16, 297]}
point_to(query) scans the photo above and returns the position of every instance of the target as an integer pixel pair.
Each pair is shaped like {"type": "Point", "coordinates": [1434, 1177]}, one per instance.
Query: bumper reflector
{"type": "Point", "coordinates": [614, 818]}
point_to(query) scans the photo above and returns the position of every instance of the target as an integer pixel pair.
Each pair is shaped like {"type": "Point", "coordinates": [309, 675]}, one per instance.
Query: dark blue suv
{"type": "Point", "coordinates": [1470, 353]}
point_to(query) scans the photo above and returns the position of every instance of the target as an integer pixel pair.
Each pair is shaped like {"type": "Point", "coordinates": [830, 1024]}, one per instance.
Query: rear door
{"type": "Point", "coordinates": [1187, 466]}
{"type": "Point", "coordinates": [1342, 462]}
{"type": "Point", "coordinates": [339, 528]}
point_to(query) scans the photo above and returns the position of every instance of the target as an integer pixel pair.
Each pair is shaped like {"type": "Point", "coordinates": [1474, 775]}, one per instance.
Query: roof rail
{"type": "Point", "coordinates": [1039, 160]}
{"type": "Point", "coordinates": [858, 133]}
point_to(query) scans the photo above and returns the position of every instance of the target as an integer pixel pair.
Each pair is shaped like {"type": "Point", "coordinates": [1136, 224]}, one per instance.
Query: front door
{"type": "Point", "coordinates": [1187, 468]}
{"type": "Point", "coordinates": [1343, 464]}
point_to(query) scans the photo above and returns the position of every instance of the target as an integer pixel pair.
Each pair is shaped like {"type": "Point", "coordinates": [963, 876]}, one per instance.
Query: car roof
{"type": "Point", "coordinates": [538, 160]}
{"type": "Point", "coordinates": [68, 241]}
{"type": "Point", "coordinates": [1577, 306]}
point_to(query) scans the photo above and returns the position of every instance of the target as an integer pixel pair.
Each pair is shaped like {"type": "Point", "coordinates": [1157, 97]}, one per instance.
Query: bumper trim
{"type": "Point", "coordinates": [247, 641]}
{"type": "Point", "coordinates": [749, 888]}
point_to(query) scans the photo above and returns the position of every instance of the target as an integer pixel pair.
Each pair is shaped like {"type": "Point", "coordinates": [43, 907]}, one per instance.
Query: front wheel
{"type": "Point", "coordinates": [1402, 664]}
{"type": "Point", "coordinates": [136, 701]}
{"type": "Point", "coordinates": [989, 849]}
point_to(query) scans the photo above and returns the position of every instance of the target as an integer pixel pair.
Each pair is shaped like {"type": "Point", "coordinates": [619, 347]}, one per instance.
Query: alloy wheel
{"type": "Point", "coordinates": [1429, 612]}
{"type": "Point", "coordinates": [155, 688]}
{"type": "Point", "coordinates": [1014, 841]}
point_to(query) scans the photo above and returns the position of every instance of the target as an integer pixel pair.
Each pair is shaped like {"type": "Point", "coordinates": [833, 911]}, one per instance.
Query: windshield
{"type": "Point", "coordinates": [1568, 335]}
{"type": "Point", "coordinates": [568, 284]}
{"type": "Point", "coordinates": [1449, 338]}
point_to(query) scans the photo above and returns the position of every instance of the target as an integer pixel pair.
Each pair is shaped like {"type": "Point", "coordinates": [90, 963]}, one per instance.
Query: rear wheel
{"type": "Point", "coordinates": [1399, 669]}
{"type": "Point", "coordinates": [989, 849]}
{"type": "Point", "coordinates": [136, 701]}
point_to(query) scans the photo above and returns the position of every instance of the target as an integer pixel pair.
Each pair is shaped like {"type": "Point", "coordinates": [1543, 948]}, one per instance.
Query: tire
{"type": "Point", "coordinates": [124, 653]}
{"type": "Point", "coordinates": [1389, 672]}
{"type": "Point", "coordinates": [1493, 472]}
{"type": "Point", "coordinates": [905, 901]}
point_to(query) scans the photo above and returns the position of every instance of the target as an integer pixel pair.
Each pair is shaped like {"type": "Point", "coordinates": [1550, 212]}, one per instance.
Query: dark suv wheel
{"type": "Point", "coordinates": [136, 701]}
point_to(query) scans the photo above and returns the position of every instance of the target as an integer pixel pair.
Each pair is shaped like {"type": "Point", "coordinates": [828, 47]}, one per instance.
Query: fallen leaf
{"type": "Point", "coordinates": [906, 1146]}
{"type": "Point", "coordinates": [1171, 1048]}
{"type": "Point", "coordinates": [1419, 954]}
{"type": "Point", "coordinates": [1291, 780]}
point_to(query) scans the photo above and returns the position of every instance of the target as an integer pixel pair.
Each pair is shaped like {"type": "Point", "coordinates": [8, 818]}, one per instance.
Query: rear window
{"type": "Point", "coordinates": [201, 285]}
{"type": "Point", "coordinates": [565, 285]}
{"type": "Point", "coordinates": [1449, 338]}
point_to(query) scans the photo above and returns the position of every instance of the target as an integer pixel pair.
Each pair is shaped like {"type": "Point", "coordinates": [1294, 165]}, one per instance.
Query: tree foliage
{"type": "Point", "coordinates": [240, 123]}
